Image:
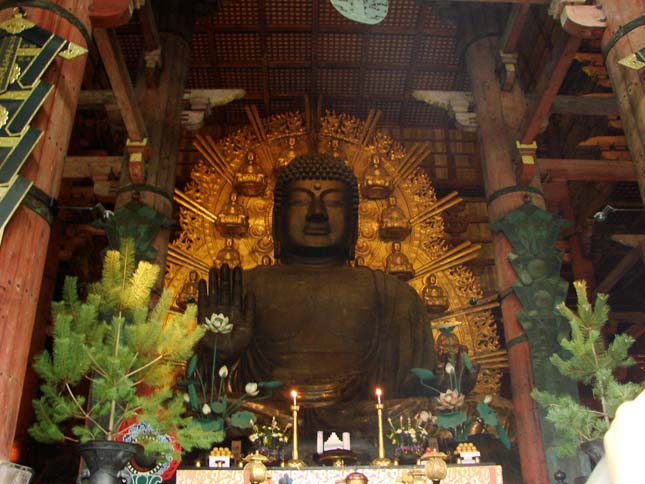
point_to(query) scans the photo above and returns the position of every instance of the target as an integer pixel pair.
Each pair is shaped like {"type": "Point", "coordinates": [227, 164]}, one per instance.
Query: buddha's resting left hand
{"type": "Point", "coordinates": [225, 295]}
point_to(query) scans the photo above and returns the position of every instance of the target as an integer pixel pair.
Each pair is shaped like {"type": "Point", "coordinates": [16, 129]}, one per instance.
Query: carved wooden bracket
{"type": "Point", "coordinates": [201, 101]}
{"type": "Point", "coordinates": [583, 21]}
{"type": "Point", "coordinates": [460, 106]}
{"type": "Point", "coordinates": [107, 14]}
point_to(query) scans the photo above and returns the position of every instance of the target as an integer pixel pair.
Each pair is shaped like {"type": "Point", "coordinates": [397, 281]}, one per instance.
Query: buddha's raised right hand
{"type": "Point", "coordinates": [225, 295]}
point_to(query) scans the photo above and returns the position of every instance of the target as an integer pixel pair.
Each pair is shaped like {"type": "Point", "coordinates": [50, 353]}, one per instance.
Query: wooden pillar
{"type": "Point", "coordinates": [24, 246]}
{"type": "Point", "coordinates": [161, 107]}
{"type": "Point", "coordinates": [498, 174]}
{"type": "Point", "coordinates": [627, 83]}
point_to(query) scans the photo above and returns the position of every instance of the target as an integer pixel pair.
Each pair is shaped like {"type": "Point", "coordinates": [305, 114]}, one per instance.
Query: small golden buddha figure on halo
{"type": "Point", "coordinates": [189, 291]}
{"type": "Point", "coordinates": [397, 263]}
{"type": "Point", "coordinates": [434, 297]}
{"type": "Point", "coordinates": [286, 156]}
{"type": "Point", "coordinates": [228, 255]}
{"type": "Point", "coordinates": [335, 151]}
{"type": "Point", "coordinates": [377, 182]}
{"type": "Point", "coordinates": [250, 180]}
{"type": "Point", "coordinates": [233, 220]}
{"type": "Point", "coordinates": [394, 225]}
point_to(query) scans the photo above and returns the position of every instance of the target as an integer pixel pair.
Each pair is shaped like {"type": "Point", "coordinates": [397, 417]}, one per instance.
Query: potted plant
{"type": "Point", "coordinates": [127, 355]}
{"type": "Point", "coordinates": [590, 361]}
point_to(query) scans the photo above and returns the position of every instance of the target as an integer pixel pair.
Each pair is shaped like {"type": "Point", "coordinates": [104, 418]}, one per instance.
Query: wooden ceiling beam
{"type": "Point", "coordinates": [92, 166]}
{"type": "Point", "coordinates": [335, 65]}
{"type": "Point", "coordinates": [548, 85]}
{"type": "Point", "coordinates": [630, 259]}
{"type": "Point", "coordinates": [588, 170]}
{"type": "Point", "coordinates": [586, 105]}
{"type": "Point", "coordinates": [266, 95]}
{"type": "Point", "coordinates": [412, 67]}
{"type": "Point", "coordinates": [117, 72]}
{"type": "Point", "coordinates": [514, 27]}
{"type": "Point", "coordinates": [353, 28]}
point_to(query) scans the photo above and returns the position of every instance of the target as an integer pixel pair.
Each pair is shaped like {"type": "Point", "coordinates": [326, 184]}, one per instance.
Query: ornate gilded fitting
{"type": "Point", "coordinates": [250, 180]}
{"type": "Point", "coordinates": [233, 220]}
{"type": "Point", "coordinates": [394, 225]}
{"type": "Point", "coordinates": [377, 182]}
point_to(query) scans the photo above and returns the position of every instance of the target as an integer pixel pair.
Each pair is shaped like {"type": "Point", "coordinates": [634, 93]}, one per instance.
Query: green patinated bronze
{"type": "Point", "coordinates": [532, 232]}
{"type": "Point", "coordinates": [137, 221]}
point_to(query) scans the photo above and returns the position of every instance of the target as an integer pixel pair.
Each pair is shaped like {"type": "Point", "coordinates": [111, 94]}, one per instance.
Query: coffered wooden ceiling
{"type": "Point", "coordinates": [280, 51]}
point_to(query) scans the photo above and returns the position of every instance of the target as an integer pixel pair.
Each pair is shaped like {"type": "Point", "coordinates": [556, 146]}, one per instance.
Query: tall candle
{"type": "Point", "coordinates": [379, 392]}
{"type": "Point", "coordinates": [294, 395]}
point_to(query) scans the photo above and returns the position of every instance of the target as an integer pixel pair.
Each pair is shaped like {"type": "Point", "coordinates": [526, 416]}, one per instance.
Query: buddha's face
{"type": "Point", "coordinates": [316, 218]}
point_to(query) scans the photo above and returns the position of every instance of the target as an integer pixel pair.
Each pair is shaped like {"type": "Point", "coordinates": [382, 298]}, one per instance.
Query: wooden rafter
{"type": "Point", "coordinates": [548, 85]}
{"type": "Point", "coordinates": [121, 83]}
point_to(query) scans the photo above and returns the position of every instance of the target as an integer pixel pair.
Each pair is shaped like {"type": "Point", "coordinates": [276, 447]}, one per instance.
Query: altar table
{"type": "Point", "coordinates": [457, 474]}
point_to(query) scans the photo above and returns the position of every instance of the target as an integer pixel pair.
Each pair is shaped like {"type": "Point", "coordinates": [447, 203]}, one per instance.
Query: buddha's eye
{"type": "Point", "coordinates": [299, 200]}
{"type": "Point", "coordinates": [334, 200]}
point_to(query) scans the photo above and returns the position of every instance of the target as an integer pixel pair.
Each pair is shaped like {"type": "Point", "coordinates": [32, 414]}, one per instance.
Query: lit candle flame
{"type": "Point", "coordinates": [294, 395]}
{"type": "Point", "coordinates": [379, 392]}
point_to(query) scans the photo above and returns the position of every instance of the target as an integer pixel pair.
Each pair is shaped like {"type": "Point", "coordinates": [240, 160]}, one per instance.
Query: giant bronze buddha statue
{"type": "Point", "coordinates": [331, 330]}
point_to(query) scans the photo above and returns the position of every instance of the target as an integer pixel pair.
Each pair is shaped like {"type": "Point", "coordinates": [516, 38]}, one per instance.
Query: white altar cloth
{"type": "Point", "coordinates": [457, 474]}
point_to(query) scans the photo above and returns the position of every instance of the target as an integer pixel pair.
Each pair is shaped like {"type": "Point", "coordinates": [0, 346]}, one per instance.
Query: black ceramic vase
{"type": "Point", "coordinates": [105, 461]}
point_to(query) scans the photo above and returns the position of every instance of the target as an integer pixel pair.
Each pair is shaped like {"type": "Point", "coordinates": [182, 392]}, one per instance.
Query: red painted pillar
{"type": "Point", "coordinates": [24, 246]}
{"type": "Point", "coordinates": [498, 174]}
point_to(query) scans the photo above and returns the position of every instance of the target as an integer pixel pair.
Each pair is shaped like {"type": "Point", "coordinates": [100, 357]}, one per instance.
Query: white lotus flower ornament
{"type": "Point", "coordinates": [218, 323]}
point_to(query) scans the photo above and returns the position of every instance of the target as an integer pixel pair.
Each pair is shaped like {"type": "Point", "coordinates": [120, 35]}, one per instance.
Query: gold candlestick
{"type": "Point", "coordinates": [381, 460]}
{"type": "Point", "coordinates": [295, 461]}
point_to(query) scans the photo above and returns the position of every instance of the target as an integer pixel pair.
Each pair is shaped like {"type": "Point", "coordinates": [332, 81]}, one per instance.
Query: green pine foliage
{"type": "Point", "coordinates": [127, 354]}
{"type": "Point", "coordinates": [590, 361]}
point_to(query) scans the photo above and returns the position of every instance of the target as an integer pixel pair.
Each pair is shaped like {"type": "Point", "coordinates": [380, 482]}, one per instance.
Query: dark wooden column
{"type": "Point", "coordinates": [627, 83]}
{"type": "Point", "coordinates": [505, 196]}
{"type": "Point", "coordinates": [24, 246]}
{"type": "Point", "coordinates": [161, 107]}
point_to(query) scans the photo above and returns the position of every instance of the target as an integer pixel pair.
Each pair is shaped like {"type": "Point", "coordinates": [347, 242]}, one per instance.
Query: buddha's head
{"type": "Point", "coordinates": [315, 211]}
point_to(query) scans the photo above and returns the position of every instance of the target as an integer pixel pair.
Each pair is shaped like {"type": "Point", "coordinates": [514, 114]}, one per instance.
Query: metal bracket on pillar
{"type": "Point", "coordinates": [201, 101]}
{"type": "Point", "coordinates": [138, 153]}
{"type": "Point", "coordinates": [506, 69]}
{"type": "Point", "coordinates": [527, 166]}
{"type": "Point", "coordinates": [458, 104]}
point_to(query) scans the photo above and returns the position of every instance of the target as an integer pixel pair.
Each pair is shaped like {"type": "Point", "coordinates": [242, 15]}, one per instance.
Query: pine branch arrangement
{"type": "Point", "coordinates": [116, 344]}
{"type": "Point", "coordinates": [591, 362]}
